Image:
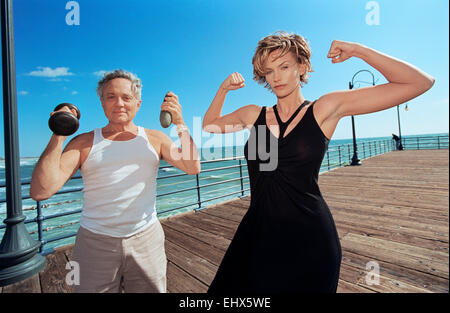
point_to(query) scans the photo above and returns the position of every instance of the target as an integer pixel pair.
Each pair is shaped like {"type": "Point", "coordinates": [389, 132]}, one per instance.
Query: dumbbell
{"type": "Point", "coordinates": [64, 123]}
{"type": "Point", "coordinates": [165, 117]}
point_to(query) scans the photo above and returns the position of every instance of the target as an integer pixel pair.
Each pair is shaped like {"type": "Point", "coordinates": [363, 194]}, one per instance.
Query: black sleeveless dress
{"type": "Point", "coordinates": [287, 241]}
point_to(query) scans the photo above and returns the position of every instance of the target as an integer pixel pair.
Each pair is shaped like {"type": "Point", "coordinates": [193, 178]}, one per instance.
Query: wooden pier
{"type": "Point", "coordinates": [393, 210]}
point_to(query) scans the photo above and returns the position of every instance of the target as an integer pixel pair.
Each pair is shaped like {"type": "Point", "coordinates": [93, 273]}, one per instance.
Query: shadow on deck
{"type": "Point", "coordinates": [392, 210]}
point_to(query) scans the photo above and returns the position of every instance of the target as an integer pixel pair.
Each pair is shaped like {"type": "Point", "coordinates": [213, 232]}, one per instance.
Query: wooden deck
{"type": "Point", "coordinates": [393, 210]}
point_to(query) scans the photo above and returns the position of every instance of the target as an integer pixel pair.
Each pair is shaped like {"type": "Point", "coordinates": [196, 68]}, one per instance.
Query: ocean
{"type": "Point", "coordinates": [72, 201]}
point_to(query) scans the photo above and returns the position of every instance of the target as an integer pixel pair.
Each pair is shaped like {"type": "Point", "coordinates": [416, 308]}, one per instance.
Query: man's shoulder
{"type": "Point", "coordinates": [85, 136]}
{"type": "Point", "coordinates": [156, 137]}
{"type": "Point", "coordinates": [154, 133]}
{"type": "Point", "coordinates": [83, 139]}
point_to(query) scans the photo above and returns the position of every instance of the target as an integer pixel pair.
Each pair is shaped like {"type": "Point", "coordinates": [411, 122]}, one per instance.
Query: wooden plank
{"type": "Point", "coordinates": [385, 250]}
{"type": "Point", "coordinates": [199, 268]}
{"type": "Point", "coordinates": [389, 285]}
{"type": "Point", "coordinates": [438, 230]}
{"type": "Point", "coordinates": [67, 250]}
{"type": "Point", "coordinates": [346, 287]}
{"type": "Point", "coordinates": [438, 215]}
{"type": "Point", "coordinates": [53, 277]}
{"type": "Point", "coordinates": [399, 247]}
{"type": "Point", "coordinates": [383, 233]}
{"type": "Point", "coordinates": [358, 263]}
{"type": "Point", "coordinates": [179, 281]}
{"type": "Point", "coordinates": [220, 230]}
{"type": "Point", "coordinates": [437, 187]}
{"type": "Point", "coordinates": [431, 235]}
{"type": "Point", "coordinates": [227, 211]}
{"type": "Point", "coordinates": [29, 285]}
{"type": "Point", "coordinates": [205, 236]}
{"type": "Point", "coordinates": [379, 198]}
{"type": "Point", "coordinates": [195, 246]}
{"type": "Point", "coordinates": [350, 274]}
{"type": "Point", "coordinates": [217, 220]}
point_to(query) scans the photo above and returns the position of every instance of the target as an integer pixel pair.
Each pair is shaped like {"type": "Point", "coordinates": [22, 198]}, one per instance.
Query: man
{"type": "Point", "coordinates": [398, 142]}
{"type": "Point", "coordinates": [120, 243]}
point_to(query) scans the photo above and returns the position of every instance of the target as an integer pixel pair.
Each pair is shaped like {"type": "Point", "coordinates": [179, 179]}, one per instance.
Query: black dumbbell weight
{"type": "Point", "coordinates": [64, 123]}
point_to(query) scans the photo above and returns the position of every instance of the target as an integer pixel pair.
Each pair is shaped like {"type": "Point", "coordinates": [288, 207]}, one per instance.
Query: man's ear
{"type": "Point", "coordinates": [139, 104]}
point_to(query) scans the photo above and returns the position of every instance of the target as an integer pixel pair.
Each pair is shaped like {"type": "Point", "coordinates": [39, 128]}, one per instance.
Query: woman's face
{"type": "Point", "coordinates": [283, 73]}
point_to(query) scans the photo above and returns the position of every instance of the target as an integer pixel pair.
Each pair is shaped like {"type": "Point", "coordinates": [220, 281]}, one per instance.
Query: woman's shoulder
{"type": "Point", "coordinates": [252, 109]}
{"type": "Point", "coordinates": [250, 113]}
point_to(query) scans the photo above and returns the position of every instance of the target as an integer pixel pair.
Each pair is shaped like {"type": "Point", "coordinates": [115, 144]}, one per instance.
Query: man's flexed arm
{"type": "Point", "coordinates": [54, 167]}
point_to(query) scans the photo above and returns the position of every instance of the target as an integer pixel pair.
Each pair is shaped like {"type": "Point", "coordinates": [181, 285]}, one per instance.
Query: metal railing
{"type": "Point", "coordinates": [235, 178]}
{"type": "Point", "coordinates": [425, 142]}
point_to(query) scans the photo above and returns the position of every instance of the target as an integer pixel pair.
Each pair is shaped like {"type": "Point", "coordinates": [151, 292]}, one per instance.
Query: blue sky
{"type": "Point", "coordinates": [190, 47]}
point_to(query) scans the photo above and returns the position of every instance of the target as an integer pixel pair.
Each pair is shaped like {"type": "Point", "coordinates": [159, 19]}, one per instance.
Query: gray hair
{"type": "Point", "coordinates": [136, 84]}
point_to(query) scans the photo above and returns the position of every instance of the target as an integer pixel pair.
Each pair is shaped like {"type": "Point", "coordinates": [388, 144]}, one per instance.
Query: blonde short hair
{"type": "Point", "coordinates": [286, 43]}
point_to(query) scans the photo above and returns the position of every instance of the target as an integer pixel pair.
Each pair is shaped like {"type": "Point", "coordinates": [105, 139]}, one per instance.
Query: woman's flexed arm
{"type": "Point", "coordinates": [213, 122]}
{"type": "Point", "coordinates": [405, 81]}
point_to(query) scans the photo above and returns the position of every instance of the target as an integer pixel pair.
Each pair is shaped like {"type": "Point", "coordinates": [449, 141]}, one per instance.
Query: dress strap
{"type": "Point", "coordinates": [284, 125]}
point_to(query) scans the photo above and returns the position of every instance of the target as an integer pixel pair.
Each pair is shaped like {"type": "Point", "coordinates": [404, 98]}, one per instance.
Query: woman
{"type": "Point", "coordinates": [287, 241]}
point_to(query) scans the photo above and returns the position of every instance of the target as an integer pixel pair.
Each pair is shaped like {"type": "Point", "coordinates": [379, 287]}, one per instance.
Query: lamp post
{"type": "Point", "coordinates": [355, 160]}
{"type": "Point", "coordinates": [400, 147]}
{"type": "Point", "coordinates": [18, 251]}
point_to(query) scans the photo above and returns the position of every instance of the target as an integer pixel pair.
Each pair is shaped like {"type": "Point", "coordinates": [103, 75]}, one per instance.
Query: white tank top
{"type": "Point", "coordinates": [119, 180]}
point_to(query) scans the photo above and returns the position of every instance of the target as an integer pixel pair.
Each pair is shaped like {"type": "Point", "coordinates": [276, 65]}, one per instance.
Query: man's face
{"type": "Point", "coordinates": [118, 101]}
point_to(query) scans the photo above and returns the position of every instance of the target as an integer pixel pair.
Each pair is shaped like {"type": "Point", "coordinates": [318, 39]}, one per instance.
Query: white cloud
{"type": "Point", "coordinates": [58, 80]}
{"type": "Point", "coordinates": [49, 72]}
{"type": "Point", "coordinates": [74, 92]}
{"type": "Point", "coordinates": [23, 92]}
{"type": "Point", "coordinates": [100, 73]}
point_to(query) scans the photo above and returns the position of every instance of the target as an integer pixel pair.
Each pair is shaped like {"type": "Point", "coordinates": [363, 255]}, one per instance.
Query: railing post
{"type": "Point", "coordinates": [328, 158]}
{"type": "Point", "coordinates": [364, 150]}
{"type": "Point", "coordinates": [39, 219]}
{"type": "Point", "coordinates": [439, 143]}
{"type": "Point", "coordinates": [339, 150]}
{"type": "Point", "coordinates": [349, 160]}
{"type": "Point", "coordinates": [198, 191]}
{"type": "Point", "coordinates": [242, 179]}
{"type": "Point", "coordinates": [418, 147]}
